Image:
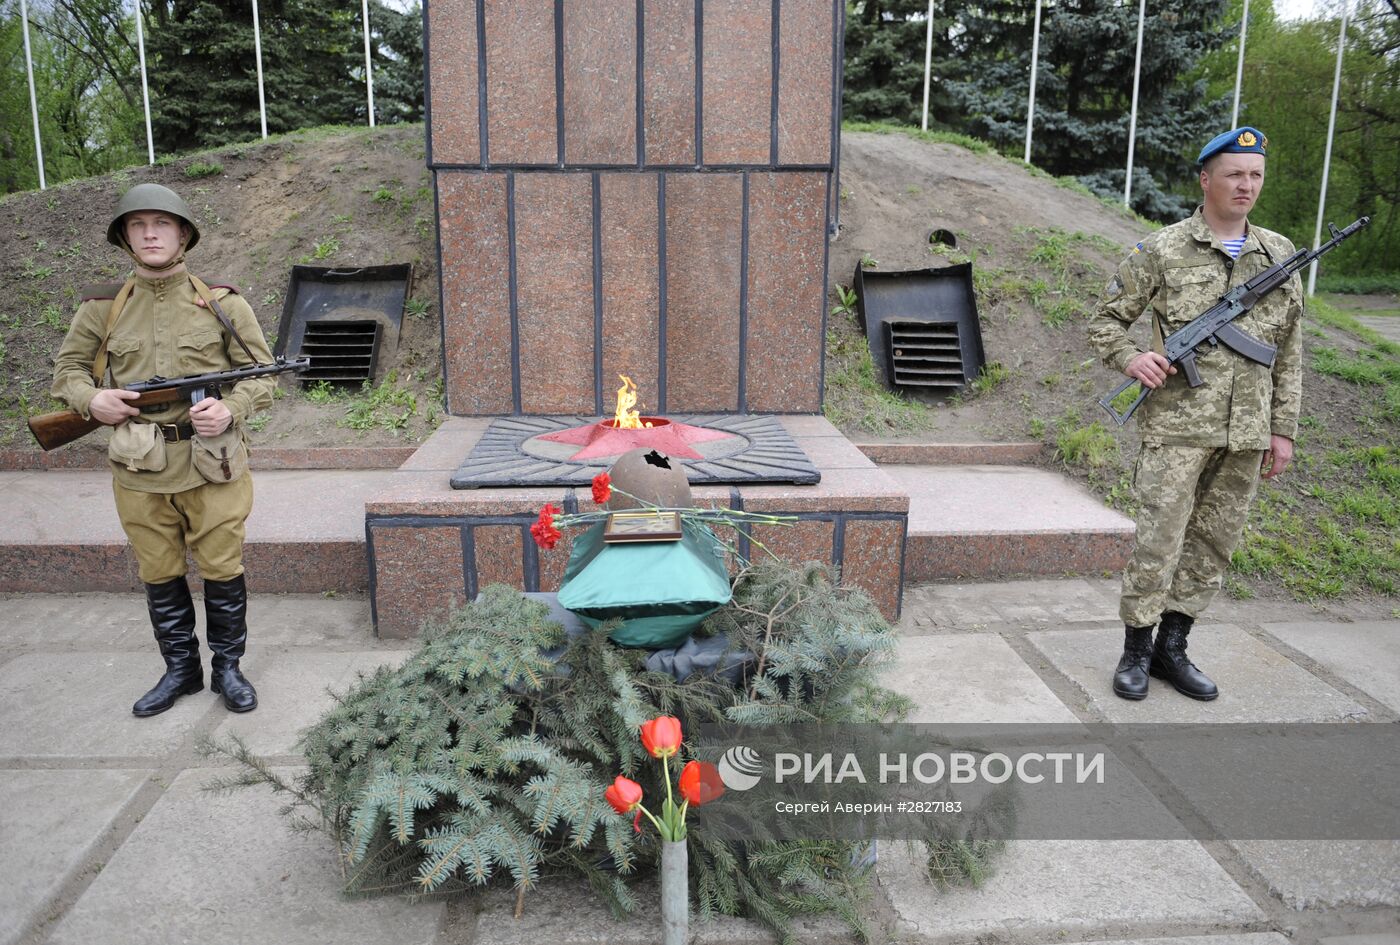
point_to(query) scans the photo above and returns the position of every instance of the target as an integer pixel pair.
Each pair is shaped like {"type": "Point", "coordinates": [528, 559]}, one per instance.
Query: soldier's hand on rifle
{"type": "Point", "coordinates": [110, 406]}
{"type": "Point", "coordinates": [1150, 368]}
{"type": "Point", "coordinates": [1276, 457]}
{"type": "Point", "coordinates": [210, 417]}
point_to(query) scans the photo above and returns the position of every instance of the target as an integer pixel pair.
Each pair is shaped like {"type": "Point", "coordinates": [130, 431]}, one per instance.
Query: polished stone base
{"type": "Point", "coordinates": [431, 547]}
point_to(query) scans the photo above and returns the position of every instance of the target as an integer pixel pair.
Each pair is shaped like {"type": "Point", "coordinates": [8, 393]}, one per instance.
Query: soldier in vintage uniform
{"type": "Point", "coordinates": [179, 472]}
{"type": "Point", "coordinates": [1203, 449]}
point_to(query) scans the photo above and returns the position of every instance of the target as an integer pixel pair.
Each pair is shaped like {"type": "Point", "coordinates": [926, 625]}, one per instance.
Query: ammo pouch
{"type": "Point", "coordinates": [221, 458]}
{"type": "Point", "coordinates": [140, 447]}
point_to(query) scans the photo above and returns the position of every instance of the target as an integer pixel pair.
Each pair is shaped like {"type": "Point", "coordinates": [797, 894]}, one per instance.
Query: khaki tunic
{"type": "Point", "coordinates": [1176, 274]}
{"type": "Point", "coordinates": [1199, 465]}
{"type": "Point", "coordinates": [162, 332]}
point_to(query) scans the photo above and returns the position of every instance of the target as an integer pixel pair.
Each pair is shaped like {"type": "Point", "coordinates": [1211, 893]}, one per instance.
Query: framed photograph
{"type": "Point", "coordinates": [643, 525]}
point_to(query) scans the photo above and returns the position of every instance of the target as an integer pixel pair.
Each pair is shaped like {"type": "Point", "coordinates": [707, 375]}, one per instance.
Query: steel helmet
{"type": "Point", "coordinates": [150, 197]}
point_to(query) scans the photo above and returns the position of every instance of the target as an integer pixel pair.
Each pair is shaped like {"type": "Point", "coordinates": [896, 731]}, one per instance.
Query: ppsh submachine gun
{"type": "Point", "coordinates": [53, 430]}
{"type": "Point", "coordinates": [1213, 326]}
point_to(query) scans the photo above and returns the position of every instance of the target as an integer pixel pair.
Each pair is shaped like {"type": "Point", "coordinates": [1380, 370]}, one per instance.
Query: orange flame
{"type": "Point", "coordinates": [625, 417]}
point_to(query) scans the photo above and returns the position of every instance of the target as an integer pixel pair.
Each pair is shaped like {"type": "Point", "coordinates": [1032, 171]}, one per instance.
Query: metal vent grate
{"type": "Point", "coordinates": [924, 354]}
{"type": "Point", "coordinates": [340, 352]}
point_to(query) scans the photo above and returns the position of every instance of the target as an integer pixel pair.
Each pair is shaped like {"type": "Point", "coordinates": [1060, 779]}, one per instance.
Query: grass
{"type": "Point", "coordinates": [417, 308]}
{"type": "Point", "coordinates": [855, 396]}
{"type": "Point", "coordinates": [323, 249]}
{"type": "Point", "coordinates": [201, 169]}
{"type": "Point", "coordinates": [974, 145]}
{"type": "Point", "coordinates": [1383, 284]}
{"type": "Point", "coordinates": [1092, 446]}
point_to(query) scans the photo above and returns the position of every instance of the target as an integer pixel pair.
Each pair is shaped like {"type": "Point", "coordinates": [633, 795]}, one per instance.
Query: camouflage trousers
{"type": "Point", "coordinates": [1193, 501]}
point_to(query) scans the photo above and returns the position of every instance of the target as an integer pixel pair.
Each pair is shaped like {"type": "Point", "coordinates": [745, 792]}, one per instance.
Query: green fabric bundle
{"type": "Point", "coordinates": [661, 589]}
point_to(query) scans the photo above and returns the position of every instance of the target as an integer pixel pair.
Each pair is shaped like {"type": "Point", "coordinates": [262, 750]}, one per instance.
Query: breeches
{"type": "Point", "coordinates": [208, 519]}
{"type": "Point", "coordinates": [1193, 503]}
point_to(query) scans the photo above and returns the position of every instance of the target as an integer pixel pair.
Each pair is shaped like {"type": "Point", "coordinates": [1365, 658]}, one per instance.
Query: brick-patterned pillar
{"type": "Point", "coordinates": [633, 186]}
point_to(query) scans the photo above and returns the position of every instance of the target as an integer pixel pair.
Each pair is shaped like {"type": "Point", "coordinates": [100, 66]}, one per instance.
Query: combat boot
{"type": "Point", "coordinates": [1130, 679]}
{"type": "Point", "coordinates": [172, 617]}
{"type": "Point", "coordinates": [226, 611]}
{"type": "Point", "coordinates": [1169, 660]}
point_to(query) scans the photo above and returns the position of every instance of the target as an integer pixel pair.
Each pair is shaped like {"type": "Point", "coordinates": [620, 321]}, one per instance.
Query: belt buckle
{"type": "Point", "coordinates": [171, 432]}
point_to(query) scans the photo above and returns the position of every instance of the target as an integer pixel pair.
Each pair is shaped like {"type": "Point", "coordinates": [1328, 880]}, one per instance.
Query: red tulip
{"type": "Point", "coordinates": [700, 783]}
{"type": "Point", "coordinates": [602, 488]}
{"type": "Point", "coordinates": [661, 737]}
{"type": "Point", "coordinates": [624, 795]}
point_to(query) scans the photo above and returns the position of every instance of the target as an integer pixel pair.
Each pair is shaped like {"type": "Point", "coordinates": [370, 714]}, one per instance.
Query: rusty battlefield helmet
{"type": "Point", "coordinates": [150, 197]}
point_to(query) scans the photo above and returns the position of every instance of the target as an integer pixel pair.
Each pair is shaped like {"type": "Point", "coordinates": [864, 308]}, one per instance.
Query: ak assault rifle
{"type": "Point", "coordinates": [1213, 325]}
{"type": "Point", "coordinates": [53, 430]}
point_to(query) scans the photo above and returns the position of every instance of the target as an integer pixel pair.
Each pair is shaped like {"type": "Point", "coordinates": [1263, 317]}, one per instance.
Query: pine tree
{"type": "Point", "coordinates": [884, 62]}
{"type": "Point", "coordinates": [487, 753]}
{"type": "Point", "coordinates": [1084, 89]}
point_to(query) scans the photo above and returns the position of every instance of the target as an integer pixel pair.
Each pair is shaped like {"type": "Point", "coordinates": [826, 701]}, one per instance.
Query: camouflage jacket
{"type": "Point", "coordinates": [1176, 274]}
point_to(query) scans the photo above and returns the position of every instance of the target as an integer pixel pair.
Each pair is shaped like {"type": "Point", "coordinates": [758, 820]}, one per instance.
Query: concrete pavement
{"type": "Point", "coordinates": [108, 838]}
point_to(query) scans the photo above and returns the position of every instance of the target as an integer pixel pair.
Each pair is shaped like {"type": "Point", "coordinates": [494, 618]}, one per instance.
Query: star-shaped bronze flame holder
{"type": "Point", "coordinates": [569, 451]}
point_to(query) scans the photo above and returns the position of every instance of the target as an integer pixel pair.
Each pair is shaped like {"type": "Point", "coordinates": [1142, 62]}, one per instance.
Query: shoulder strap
{"type": "Point", "coordinates": [209, 300]}
{"type": "Point", "coordinates": [99, 363]}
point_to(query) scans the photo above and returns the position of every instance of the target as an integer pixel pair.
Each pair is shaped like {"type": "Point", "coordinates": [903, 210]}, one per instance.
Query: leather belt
{"type": "Point", "coordinates": [175, 432]}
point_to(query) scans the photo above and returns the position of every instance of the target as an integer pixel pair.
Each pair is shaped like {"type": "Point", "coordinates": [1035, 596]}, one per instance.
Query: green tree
{"type": "Point", "coordinates": [1287, 89]}
{"type": "Point", "coordinates": [86, 86]}
{"type": "Point", "coordinates": [884, 62]}
{"type": "Point", "coordinates": [396, 48]}
{"type": "Point", "coordinates": [1084, 89]}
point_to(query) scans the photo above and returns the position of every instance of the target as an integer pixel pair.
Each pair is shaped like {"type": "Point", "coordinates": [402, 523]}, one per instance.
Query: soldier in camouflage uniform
{"type": "Point", "coordinates": [1203, 449]}
{"type": "Point", "coordinates": [164, 321]}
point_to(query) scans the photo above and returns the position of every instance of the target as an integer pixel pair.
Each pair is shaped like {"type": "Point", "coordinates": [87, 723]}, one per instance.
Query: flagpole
{"type": "Point", "coordinates": [928, 63]}
{"type": "Point", "coordinates": [1327, 157]}
{"type": "Point", "coordinates": [1239, 68]}
{"type": "Point", "coordinates": [257, 50]}
{"type": "Point", "coordinates": [1030, 103]}
{"type": "Point", "coordinates": [1132, 121]}
{"type": "Point", "coordinates": [33, 102]}
{"type": "Point", "coordinates": [369, 69]}
{"type": "Point", "coordinates": [145, 90]}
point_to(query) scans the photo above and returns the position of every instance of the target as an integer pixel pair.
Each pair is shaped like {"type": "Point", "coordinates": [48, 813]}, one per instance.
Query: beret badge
{"type": "Point", "coordinates": [1247, 139]}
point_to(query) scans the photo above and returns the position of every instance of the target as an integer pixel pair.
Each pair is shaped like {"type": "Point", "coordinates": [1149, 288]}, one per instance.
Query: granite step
{"type": "Point", "coordinates": [946, 453]}
{"type": "Point", "coordinates": [59, 532]}
{"type": "Point", "coordinates": [986, 522]}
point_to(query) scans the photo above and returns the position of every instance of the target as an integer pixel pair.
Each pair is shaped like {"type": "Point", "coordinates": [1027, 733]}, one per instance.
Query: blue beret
{"type": "Point", "coordinates": [1240, 141]}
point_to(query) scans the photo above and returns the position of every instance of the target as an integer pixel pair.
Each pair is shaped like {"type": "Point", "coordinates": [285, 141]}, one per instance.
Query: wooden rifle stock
{"type": "Point", "coordinates": [62, 427]}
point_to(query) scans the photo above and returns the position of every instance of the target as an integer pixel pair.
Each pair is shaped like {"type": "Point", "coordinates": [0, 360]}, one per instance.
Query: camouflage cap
{"type": "Point", "coordinates": [1239, 141]}
{"type": "Point", "coordinates": [150, 197]}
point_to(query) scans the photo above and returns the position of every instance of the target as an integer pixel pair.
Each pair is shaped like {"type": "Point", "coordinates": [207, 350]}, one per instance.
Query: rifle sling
{"type": "Point", "coordinates": [218, 311]}
{"type": "Point", "coordinates": [99, 363]}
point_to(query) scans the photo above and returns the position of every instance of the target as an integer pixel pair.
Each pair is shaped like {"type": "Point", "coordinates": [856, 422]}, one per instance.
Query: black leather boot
{"type": "Point", "coordinates": [1169, 660]}
{"type": "Point", "coordinates": [226, 611]}
{"type": "Point", "coordinates": [172, 616]}
{"type": "Point", "coordinates": [1130, 678]}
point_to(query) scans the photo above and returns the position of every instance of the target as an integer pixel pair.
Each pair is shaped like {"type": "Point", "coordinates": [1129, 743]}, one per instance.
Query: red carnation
{"type": "Point", "coordinates": [543, 531]}
{"type": "Point", "coordinates": [602, 488]}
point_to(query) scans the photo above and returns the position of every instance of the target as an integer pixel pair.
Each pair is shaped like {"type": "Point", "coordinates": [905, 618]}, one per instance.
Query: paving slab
{"type": "Point", "coordinates": [1365, 654]}
{"type": "Point", "coordinates": [226, 869]}
{"type": "Point", "coordinates": [91, 621]}
{"type": "Point", "coordinates": [294, 691]}
{"type": "Point", "coordinates": [1035, 603]}
{"type": "Point", "coordinates": [1257, 684]}
{"type": "Point", "coordinates": [1326, 874]}
{"type": "Point", "coordinates": [1050, 890]}
{"type": "Point", "coordinates": [566, 912]}
{"type": "Point", "coordinates": [1241, 938]}
{"type": "Point", "coordinates": [1377, 938]}
{"type": "Point", "coordinates": [78, 705]}
{"type": "Point", "coordinates": [50, 820]}
{"type": "Point", "coordinates": [969, 678]}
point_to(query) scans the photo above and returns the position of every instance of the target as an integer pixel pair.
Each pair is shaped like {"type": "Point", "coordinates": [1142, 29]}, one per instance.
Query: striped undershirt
{"type": "Point", "coordinates": [1233, 247]}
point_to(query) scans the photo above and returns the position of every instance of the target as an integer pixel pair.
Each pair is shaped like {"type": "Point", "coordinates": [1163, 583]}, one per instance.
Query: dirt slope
{"type": "Point", "coordinates": [327, 198]}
